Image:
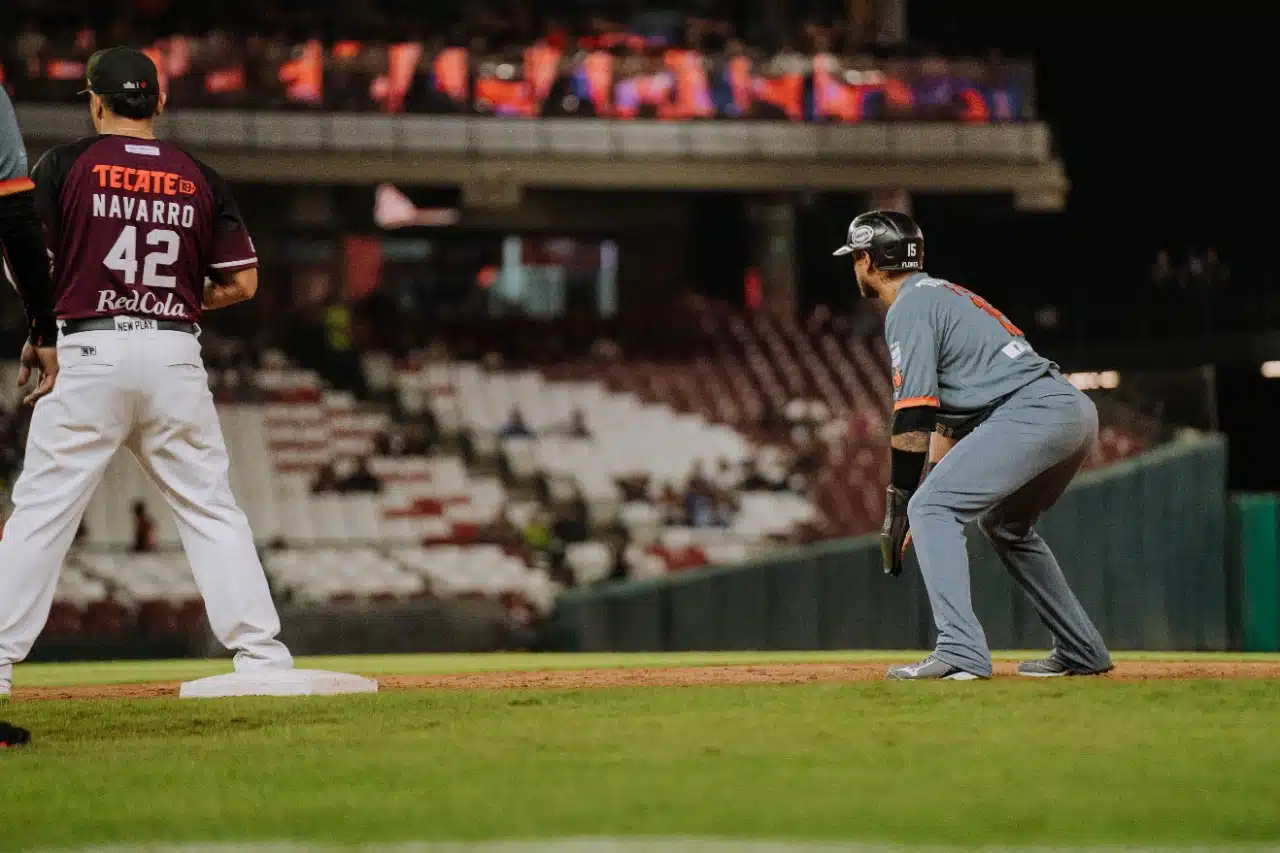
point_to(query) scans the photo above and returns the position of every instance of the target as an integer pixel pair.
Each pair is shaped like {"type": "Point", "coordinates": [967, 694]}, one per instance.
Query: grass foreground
{"type": "Point", "coordinates": [1062, 762]}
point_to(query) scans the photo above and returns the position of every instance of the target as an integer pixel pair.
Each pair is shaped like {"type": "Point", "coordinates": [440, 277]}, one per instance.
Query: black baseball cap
{"type": "Point", "coordinates": [121, 70]}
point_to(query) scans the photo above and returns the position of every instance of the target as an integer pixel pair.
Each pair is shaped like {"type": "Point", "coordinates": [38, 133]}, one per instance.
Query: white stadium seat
{"type": "Point", "coordinates": [590, 562]}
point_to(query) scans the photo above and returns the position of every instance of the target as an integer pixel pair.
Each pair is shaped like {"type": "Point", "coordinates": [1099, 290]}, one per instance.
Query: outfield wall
{"type": "Point", "coordinates": [1253, 544]}
{"type": "Point", "coordinates": [1144, 543]}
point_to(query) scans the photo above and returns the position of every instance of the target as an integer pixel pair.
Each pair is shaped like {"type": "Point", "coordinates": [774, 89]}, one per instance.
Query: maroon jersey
{"type": "Point", "coordinates": [134, 227]}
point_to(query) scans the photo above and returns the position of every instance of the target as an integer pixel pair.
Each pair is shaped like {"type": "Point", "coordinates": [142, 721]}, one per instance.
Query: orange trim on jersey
{"type": "Point", "coordinates": [16, 185]}
{"type": "Point", "coordinates": [915, 402]}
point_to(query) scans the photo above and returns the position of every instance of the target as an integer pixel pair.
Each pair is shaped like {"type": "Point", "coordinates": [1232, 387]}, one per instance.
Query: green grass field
{"type": "Point", "coordinates": [1007, 762]}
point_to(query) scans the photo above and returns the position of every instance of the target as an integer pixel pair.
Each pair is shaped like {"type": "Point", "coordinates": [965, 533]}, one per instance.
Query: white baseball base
{"type": "Point", "coordinates": [279, 682]}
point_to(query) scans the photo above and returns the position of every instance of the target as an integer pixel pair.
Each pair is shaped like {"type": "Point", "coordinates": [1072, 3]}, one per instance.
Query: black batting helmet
{"type": "Point", "coordinates": [892, 239]}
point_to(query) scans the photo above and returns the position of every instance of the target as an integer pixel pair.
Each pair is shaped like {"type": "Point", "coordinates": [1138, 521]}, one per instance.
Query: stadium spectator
{"type": "Point", "coordinates": [80, 540]}
{"type": "Point", "coordinates": [515, 426]}
{"type": "Point", "coordinates": [806, 461]}
{"type": "Point", "coordinates": [501, 532]}
{"type": "Point", "coordinates": [144, 529]}
{"type": "Point", "coordinates": [569, 524]}
{"type": "Point", "coordinates": [726, 477]}
{"type": "Point", "coordinates": [698, 479]}
{"type": "Point", "coordinates": [421, 434]}
{"type": "Point", "coordinates": [237, 385]}
{"type": "Point", "coordinates": [724, 507]}
{"type": "Point", "coordinates": [537, 531]}
{"type": "Point", "coordinates": [1207, 275]}
{"type": "Point", "coordinates": [700, 499]}
{"type": "Point", "coordinates": [671, 505]}
{"type": "Point", "coordinates": [361, 479]}
{"type": "Point", "coordinates": [1163, 273]}
{"type": "Point", "coordinates": [753, 480]}
{"type": "Point", "coordinates": [1195, 269]}
{"type": "Point", "coordinates": [633, 487]}
{"type": "Point", "coordinates": [389, 442]}
{"type": "Point", "coordinates": [1216, 273]}
{"type": "Point", "coordinates": [577, 425]}
{"type": "Point", "coordinates": [772, 420]}
{"type": "Point", "coordinates": [326, 480]}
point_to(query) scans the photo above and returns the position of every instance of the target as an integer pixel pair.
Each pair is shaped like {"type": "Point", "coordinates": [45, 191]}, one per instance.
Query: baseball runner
{"type": "Point", "coordinates": [1010, 433]}
{"type": "Point", "coordinates": [21, 245]}
{"type": "Point", "coordinates": [134, 227]}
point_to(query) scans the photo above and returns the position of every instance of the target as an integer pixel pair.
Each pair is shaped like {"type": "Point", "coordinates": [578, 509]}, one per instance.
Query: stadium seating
{"type": "Point", "coordinates": [614, 74]}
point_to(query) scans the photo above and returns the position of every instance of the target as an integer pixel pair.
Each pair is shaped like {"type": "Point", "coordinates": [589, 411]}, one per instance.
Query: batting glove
{"type": "Point", "coordinates": [895, 534]}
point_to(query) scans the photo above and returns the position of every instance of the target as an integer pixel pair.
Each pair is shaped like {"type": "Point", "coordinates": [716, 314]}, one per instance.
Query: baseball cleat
{"type": "Point", "coordinates": [929, 668]}
{"type": "Point", "coordinates": [13, 736]}
{"type": "Point", "coordinates": [1051, 667]}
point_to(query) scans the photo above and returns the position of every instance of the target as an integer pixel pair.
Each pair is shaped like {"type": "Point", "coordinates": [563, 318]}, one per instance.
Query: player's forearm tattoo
{"type": "Point", "coordinates": [912, 442]}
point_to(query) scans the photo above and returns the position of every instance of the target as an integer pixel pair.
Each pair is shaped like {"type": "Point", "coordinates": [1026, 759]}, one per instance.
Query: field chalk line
{"type": "Point", "coordinates": [659, 845]}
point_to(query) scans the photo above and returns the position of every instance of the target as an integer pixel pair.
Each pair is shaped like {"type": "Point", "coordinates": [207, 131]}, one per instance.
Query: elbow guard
{"type": "Point", "coordinates": [915, 419]}
{"type": "Point", "coordinates": [907, 467]}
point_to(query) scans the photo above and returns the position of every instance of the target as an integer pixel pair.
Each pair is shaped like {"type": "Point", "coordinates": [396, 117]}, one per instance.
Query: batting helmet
{"type": "Point", "coordinates": [892, 239]}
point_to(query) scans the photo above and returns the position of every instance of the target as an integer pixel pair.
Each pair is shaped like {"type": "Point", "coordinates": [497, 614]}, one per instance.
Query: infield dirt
{"type": "Point", "coordinates": [675, 676]}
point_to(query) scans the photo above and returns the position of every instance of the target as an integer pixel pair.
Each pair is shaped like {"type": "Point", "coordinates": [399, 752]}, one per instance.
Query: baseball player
{"type": "Point", "coordinates": [1010, 433]}
{"type": "Point", "coordinates": [143, 238]}
{"type": "Point", "coordinates": [21, 244]}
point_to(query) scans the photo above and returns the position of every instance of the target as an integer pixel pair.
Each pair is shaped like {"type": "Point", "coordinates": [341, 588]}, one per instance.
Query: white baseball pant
{"type": "Point", "coordinates": [146, 390]}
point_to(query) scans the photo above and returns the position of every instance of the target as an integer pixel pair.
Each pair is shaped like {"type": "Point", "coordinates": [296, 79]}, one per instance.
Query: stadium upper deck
{"type": "Point", "coordinates": [532, 59]}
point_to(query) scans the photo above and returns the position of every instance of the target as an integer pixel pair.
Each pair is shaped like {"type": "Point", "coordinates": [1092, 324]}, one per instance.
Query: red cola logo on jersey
{"type": "Point", "coordinates": [136, 302]}
{"type": "Point", "coordinates": [142, 180]}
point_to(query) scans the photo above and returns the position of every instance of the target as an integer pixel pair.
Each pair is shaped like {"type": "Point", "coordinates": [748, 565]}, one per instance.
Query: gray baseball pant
{"type": "Point", "coordinates": [1007, 473]}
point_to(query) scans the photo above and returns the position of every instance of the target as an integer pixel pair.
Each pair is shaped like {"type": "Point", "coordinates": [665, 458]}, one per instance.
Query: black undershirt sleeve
{"type": "Point", "coordinates": [24, 251]}
{"type": "Point", "coordinates": [907, 466]}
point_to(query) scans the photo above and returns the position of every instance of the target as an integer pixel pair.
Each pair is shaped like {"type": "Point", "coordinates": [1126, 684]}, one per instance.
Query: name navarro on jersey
{"type": "Point", "coordinates": [152, 211]}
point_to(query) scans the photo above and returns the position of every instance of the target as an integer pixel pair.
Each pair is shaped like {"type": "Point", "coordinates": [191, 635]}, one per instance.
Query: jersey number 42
{"type": "Point", "coordinates": [123, 257]}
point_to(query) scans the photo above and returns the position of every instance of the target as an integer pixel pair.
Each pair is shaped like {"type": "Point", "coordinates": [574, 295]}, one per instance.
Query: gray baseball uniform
{"type": "Point", "coordinates": [1024, 432]}
{"type": "Point", "coordinates": [13, 154]}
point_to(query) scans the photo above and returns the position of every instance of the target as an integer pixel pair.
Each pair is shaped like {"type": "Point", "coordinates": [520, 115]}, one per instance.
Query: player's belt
{"type": "Point", "coordinates": [126, 324]}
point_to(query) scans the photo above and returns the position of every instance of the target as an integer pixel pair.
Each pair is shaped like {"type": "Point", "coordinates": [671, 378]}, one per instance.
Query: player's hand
{"type": "Point", "coordinates": [895, 534]}
{"type": "Point", "coordinates": [210, 294]}
{"type": "Point", "coordinates": [43, 360]}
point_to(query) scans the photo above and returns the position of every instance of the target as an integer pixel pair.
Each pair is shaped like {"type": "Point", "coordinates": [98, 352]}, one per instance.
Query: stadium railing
{"type": "Point", "coordinates": [1028, 143]}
